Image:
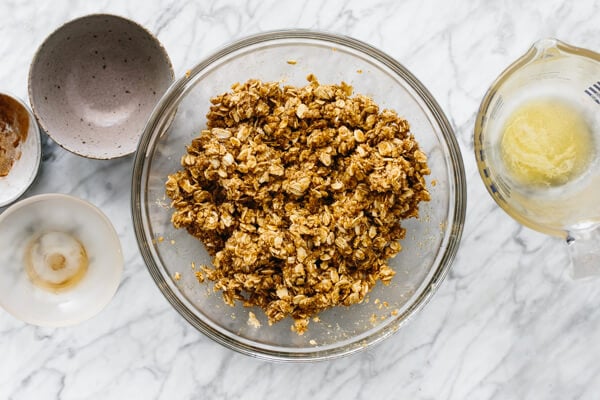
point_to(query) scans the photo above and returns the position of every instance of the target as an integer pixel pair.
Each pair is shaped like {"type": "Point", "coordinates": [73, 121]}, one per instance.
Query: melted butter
{"type": "Point", "coordinates": [546, 142]}
{"type": "Point", "coordinates": [55, 261]}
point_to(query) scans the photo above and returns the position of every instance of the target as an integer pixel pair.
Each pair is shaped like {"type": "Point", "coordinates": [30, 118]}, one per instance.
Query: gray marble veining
{"type": "Point", "coordinates": [507, 323]}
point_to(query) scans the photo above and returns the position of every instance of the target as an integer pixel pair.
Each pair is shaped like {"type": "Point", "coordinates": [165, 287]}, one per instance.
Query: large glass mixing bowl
{"type": "Point", "coordinates": [431, 241]}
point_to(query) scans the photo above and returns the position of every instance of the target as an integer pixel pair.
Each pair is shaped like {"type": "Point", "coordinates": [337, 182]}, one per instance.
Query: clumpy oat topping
{"type": "Point", "coordinates": [298, 193]}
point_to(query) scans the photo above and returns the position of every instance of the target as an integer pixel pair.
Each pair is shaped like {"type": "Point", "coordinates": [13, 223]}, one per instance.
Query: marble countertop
{"type": "Point", "coordinates": [508, 322]}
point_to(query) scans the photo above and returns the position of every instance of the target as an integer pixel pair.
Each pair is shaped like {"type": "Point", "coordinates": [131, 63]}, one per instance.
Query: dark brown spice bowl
{"type": "Point", "coordinates": [20, 148]}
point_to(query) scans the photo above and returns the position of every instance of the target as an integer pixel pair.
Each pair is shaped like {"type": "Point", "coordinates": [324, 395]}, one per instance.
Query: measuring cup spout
{"type": "Point", "coordinates": [584, 248]}
{"type": "Point", "coordinates": [543, 45]}
{"type": "Point", "coordinates": [549, 48]}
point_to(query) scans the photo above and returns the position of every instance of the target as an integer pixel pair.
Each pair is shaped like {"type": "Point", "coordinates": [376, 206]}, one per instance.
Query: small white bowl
{"type": "Point", "coordinates": [29, 218]}
{"type": "Point", "coordinates": [26, 166]}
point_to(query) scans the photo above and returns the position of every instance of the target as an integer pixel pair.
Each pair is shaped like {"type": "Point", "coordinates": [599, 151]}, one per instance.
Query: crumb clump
{"type": "Point", "coordinates": [298, 194]}
{"type": "Point", "coordinates": [252, 320]}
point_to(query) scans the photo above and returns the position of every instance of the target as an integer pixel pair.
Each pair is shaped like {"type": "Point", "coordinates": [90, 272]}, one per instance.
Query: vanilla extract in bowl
{"type": "Point", "coordinates": [55, 261]}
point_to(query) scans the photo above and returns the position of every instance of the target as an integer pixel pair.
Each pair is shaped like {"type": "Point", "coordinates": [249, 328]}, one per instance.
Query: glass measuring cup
{"type": "Point", "coordinates": [550, 69]}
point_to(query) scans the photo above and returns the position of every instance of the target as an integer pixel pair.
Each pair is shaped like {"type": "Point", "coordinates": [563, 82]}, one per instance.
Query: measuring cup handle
{"type": "Point", "coordinates": [584, 248]}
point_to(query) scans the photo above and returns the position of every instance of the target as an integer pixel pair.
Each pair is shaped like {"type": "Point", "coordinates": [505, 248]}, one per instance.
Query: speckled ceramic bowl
{"type": "Point", "coordinates": [94, 81]}
{"type": "Point", "coordinates": [19, 165]}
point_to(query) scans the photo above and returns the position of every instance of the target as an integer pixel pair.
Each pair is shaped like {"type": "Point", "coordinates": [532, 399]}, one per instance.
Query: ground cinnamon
{"type": "Point", "coordinates": [14, 125]}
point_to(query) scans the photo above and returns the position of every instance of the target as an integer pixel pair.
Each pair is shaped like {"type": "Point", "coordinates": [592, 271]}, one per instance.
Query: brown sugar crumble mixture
{"type": "Point", "coordinates": [297, 194]}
